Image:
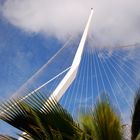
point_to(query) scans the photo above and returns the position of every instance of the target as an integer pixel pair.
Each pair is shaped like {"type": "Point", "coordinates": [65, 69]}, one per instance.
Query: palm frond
{"type": "Point", "coordinates": [103, 122]}
{"type": "Point", "coordinates": [87, 125]}
{"type": "Point", "coordinates": [39, 116]}
{"type": "Point", "coordinates": [135, 128]}
{"type": "Point", "coordinates": [2, 137]}
{"type": "Point", "coordinates": [106, 122]}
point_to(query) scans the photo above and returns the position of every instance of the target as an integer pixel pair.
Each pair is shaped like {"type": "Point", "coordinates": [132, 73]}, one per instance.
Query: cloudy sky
{"type": "Point", "coordinates": [32, 31]}
{"type": "Point", "coordinates": [113, 21]}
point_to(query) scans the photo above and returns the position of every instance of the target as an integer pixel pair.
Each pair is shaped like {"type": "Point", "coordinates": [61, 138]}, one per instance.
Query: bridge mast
{"type": "Point", "coordinates": [71, 74]}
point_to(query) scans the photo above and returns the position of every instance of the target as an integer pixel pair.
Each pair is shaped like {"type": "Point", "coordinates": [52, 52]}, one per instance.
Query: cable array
{"type": "Point", "coordinates": [100, 71]}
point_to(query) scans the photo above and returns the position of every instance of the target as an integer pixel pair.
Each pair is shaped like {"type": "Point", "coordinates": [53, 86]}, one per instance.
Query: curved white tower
{"type": "Point", "coordinates": [71, 74]}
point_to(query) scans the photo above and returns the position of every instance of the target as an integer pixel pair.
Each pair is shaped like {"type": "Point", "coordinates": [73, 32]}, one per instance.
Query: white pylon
{"type": "Point", "coordinates": [71, 74]}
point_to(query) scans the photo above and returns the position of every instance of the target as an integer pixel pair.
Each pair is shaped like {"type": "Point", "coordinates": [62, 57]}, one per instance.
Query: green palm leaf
{"type": "Point", "coordinates": [102, 123]}
{"type": "Point", "coordinates": [40, 118]}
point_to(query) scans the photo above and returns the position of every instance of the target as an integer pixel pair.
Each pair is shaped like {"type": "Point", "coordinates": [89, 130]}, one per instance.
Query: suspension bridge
{"type": "Point", "coordinates": [93, 70]}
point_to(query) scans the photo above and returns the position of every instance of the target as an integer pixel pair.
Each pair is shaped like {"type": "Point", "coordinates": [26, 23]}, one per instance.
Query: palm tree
{"type": "Point", "coordinates": [103, 122]}
{"type": "Point", "coordinates": [51, 121]}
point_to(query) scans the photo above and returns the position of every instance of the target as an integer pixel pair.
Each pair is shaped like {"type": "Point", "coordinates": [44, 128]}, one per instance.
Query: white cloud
{"type": "Point", "coordinates": [113, 21]}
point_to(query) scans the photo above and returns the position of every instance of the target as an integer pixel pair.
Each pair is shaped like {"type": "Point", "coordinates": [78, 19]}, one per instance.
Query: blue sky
{"type": "Point", "coordinates": [24, 50]}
